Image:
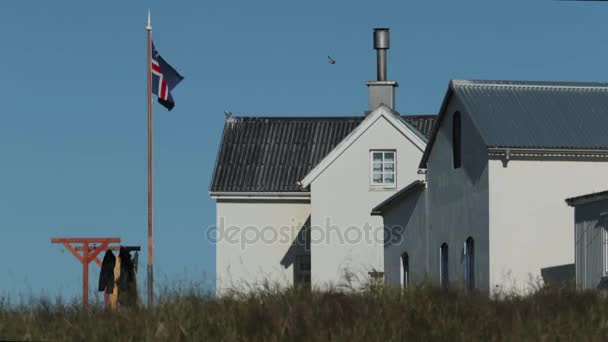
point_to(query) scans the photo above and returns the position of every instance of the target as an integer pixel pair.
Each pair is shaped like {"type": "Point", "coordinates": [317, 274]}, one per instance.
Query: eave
{"type": "Point", "coordinates": [383, 111]}
{"type": "Point", "coordinates": [260, 195]}
{"type": "Point", "coordinates": [524, 153]}
{"type": "Point", "coordinates": [589, 198]}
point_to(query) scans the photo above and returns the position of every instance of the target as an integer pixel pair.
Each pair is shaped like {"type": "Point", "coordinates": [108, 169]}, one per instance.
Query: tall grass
{"type": "Point", "coordinates": [422, 313]}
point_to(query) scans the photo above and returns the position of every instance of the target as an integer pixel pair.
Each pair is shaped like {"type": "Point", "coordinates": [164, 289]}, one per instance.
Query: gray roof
{"type": "Point", "coordinates": [562, 275]}
{"type": "Point", "coordinates": [272, 154]}
{"type": "Point", "coordinates": [596, 196]}
{"type": "Point", "coordinates": [526, 114]}
{"type": "Point", "coordinates": [411, 188]}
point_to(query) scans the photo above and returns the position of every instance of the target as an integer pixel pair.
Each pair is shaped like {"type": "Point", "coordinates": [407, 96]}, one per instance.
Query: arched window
{"type": "Point", "coordinates": [469, 264]}
{"type": "Point", "coordinates": [405, 270]}
{"type": "Point", "coordinates": [456, 140]}
{"type": "Point", "coordinates": [444, 272]}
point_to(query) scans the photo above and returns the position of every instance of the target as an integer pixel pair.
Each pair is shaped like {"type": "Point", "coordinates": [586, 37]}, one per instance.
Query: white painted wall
{"type": "Point", "coordinates": [254, 237]}
{"type": "Point", "coordinates": [530, 224]}
{"type": "Point", "coordinates": [342, 195]}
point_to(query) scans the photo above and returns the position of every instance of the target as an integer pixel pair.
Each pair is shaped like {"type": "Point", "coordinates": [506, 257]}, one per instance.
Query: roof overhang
{"type": "Point", "coordinates": [260, 195]}
{"type": "Point", "coordinates": [383, 111]}
{"type": "Point", "coordinates": [412, 188]}
{"type": "Point", "coordinates": [526, 153]}
{"type": "Point", "coordinates": [531, 152]}
{"type": "Point", "coordinates": [440, 116]}
{"type": "Point", "coordinates": [589, 198]}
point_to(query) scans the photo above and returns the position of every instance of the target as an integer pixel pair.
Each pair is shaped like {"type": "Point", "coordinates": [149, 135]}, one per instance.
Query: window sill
{"type": "Point", "coordinates": [382, 187]}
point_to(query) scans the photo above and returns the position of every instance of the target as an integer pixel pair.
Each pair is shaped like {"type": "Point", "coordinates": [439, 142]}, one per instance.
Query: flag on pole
{"type": "Point", "coordinates": [164, 79]}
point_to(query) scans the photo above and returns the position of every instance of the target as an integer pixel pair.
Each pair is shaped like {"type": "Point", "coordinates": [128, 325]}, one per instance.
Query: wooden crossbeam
{"type": "Point", "coordinates": [81, 240]}
{"type": "Point", "coordinates": [89, 254]}
{"type": "Point", "coordinates": [113, 248]}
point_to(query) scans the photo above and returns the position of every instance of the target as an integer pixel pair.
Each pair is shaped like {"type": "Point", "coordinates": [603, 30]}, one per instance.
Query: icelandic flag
{"type": "Point", "coordinates": [164, 79]}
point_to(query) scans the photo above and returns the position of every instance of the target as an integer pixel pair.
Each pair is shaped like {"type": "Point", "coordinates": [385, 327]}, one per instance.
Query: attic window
{"type": "Point", "coordinates": [456, 140]}
{"type": "Point", "coordinates": [383, 169]}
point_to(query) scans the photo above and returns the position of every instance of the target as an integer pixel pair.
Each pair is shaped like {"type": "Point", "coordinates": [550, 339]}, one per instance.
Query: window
{"type": "Point", "coordinates": [444, 272]}
{"type": "Point", "coordinates": [376, 278]}
{"type": "Point", "coordinates": [469, 264]}
{"type": "Point", "coordinates": [383, 169]}
{"type": "Point", "coordinates": [301, 271]}
{"type": "Point", "coordinates": [605, 248]}
{"type": "Point", "coordinates": [456, 140]}
{"type": "Point", "coordinates": [405, 270]}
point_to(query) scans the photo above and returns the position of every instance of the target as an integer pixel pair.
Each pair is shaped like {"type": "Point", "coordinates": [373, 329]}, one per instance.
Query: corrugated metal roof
{"type": "Point", "coordinates": [271, 154]}
{"type": "Point", "coordinates": [597, 196]}
{"type": "Point", "coordinates": [526, 114]}
{"type": "Point", "coordinates": [423, 123]}
{"type": "Point", "coordinates": [537, 114]}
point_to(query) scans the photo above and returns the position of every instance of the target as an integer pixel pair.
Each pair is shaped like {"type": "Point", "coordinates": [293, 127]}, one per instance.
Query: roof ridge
{"type": "Point", "coordinates": [424, 116]}
{"type": "Point", "coordinates": [332, 117]}
{"type": "Point", "coordinates": [528, 84]}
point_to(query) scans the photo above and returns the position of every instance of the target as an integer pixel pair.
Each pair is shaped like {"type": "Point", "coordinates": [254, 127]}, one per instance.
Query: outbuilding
{"type": "Point", "coordinates": [590, 239]}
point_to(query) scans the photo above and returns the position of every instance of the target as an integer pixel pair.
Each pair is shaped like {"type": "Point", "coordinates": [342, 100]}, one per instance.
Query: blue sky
{"type": "Point", "coordinates": [73, 109]}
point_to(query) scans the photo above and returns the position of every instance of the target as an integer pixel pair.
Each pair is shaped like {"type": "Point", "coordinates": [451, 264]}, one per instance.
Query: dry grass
{"type": "Point", "coordinates": [419, 314]}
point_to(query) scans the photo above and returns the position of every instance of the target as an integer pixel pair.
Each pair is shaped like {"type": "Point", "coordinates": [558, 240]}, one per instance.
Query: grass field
{"type": "Point", "coordinates": [418, 314]}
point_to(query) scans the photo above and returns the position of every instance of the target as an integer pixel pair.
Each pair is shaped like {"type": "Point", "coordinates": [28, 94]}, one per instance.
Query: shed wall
{"type": "Point", "coordinates": [588, 243]}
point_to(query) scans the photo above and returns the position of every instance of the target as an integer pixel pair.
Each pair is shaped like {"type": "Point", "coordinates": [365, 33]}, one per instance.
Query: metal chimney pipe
{"type": "Point", "coordinates": [381, 44]}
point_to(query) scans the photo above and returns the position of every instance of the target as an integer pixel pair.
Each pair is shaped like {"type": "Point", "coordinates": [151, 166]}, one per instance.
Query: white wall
{"type": "Point", "coordinates": [531, 226]}
{"type": "Point", "coordinates": [342, 195]}
{"type": "Point", "coordinates": [254, 238]}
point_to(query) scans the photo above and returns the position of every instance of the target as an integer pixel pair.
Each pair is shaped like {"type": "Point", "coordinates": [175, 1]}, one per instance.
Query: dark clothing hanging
{"type": "Point", "coordinates": [106, 276]}
{"type": "Point", "coordinates": [127, 287]}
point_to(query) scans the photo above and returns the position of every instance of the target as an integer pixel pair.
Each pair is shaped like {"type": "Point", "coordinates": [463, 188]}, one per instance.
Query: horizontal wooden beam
{"type": "Point", "coordinates": [114, 248]}
{"type": "Point", "coordinates": [85, 240]}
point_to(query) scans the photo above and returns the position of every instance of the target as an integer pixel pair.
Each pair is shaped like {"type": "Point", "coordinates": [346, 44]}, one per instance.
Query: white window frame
{"type": "Point", "coordinates": [405, 273]}
{"type": "Point", "coordinates": [382, 185]}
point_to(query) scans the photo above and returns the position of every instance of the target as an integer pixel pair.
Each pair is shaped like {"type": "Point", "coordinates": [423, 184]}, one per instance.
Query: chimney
{"type": "Point", "coordinates": [381, 91]}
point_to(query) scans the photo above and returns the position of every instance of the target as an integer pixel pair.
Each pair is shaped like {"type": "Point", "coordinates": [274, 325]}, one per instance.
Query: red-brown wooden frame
{"type": "Point", "coordinates": [87, 256]}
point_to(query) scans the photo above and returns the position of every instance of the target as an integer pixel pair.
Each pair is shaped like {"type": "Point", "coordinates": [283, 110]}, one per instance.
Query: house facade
{"type": "Point", "coordinates": [370, 164]}
{"type": "Point", "coordinates": [502, 157]}
{"type": "Point", "coordinates": [294, 194]}
{"type": "Point", "coordinates": [280, 223]}
{"type": "Point", "coordinates": [591, 240]}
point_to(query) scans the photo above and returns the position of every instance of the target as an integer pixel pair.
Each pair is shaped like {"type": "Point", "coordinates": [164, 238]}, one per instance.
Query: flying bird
{"type": "Point", "coordinates": [331, 60]}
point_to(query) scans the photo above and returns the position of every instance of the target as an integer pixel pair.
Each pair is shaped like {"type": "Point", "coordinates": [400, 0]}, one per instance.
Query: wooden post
{"type": "Point", "coordinates": [85, 275]}
{"type": "Point", "coordinates": [150, 229]}
{"type": "Point", "coordinates": [86, 257]}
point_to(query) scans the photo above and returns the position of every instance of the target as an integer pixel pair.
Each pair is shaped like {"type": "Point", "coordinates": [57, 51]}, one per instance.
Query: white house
{"type": "Point", "coordinates": [294, 194]}
{"type": "Point", "coordinates": [591, 240]}
{"type": "Point", "coordinates": [501, 159]}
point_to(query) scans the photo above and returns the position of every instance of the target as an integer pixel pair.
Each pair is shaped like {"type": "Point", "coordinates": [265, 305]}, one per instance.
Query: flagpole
{"type": "Point", "coordinates": [150, 230]}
